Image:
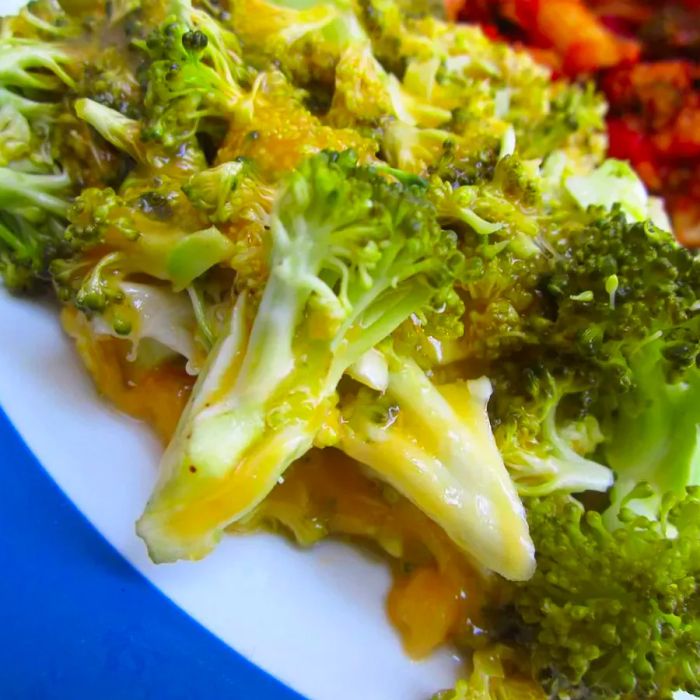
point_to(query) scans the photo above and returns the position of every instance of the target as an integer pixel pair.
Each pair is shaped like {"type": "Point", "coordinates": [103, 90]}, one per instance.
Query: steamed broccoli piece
{"type": "Point", "coordinates": [414, 149]}
{"type": "Point", "coordinates": [34, 196]}
{"type": "Point", "coordinates": [34, 64]}
{"type": "Point", "coordinates": [365, 93]}
{"type": "Point", "coordinates": [234, 196]}
{"type": "Point", "coordinates": [544, 440]}
{"type": "Point", "coordinates": [618, 285]}
{"type": "Point", "coordinates": [108, 78]}
{"type": "Point", "coordinates": [499, 673]}
{"type": "Point", "coordinates": [434, 445]}
{"type": "Point", "coordinates": [194, 73]}
{"type": "Point", "coordinates": [34, 192]}
{"type": "Point", "coordinates": [353, 255]}
{"type": "Point", "coordinates": [573, 120]}
{"type": "Point", "coordinates": [360, 93]}
{"type": "Point", "coordinates": [306, 39]}
{"type": "Point", "coordinates": [25, 129]}
{"type": "Point", "coordinates": [146, 233]}
{"type": "Point", "coordinates": [122, 132]}
{"type": "Point", "coordinates": [230, 191]}
{"type": "Point", "coordinates": [611, 613]}
{"type": "Point", "coordinates": [601, 304]}
{"type": "Point", "coordinates": [653, 435]}
{"type": "Point", "coordinates": [126, 136]}
{"type": "Point", "coordinates": [33, 213]}
{"type": "Point", "coordinates": [26, 251]}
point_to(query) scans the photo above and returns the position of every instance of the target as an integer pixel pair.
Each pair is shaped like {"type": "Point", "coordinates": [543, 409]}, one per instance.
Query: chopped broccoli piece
{"type": "Point", "coordinates": [33, 212]}
{"type": "Point", "coordinates": [611, 613]}
{"type": "Point", "coordinates": [544, 450]}
{"type": "Point", "coordinates": [434, 445]}
{"type": "Point", "coordinates": [499, 673]}
{"type": "Point", "coordinates": [33, 64]}
{"type": "Point", "coordinates": [194, 73]}
{"type": "Point", "coordinates": [306, 39]}
{"type": "Point", "coordinates": [353, 255]}
{"type": "Point", "coordinates": [138, 235]}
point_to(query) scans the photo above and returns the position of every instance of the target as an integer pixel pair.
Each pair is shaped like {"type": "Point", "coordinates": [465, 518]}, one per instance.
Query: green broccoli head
{"type": "Point", "coordinates": [306, 39]}
{"type": "Point", "coordinates": [617, 284]}
{"type": "Point", "coordinates": [33, 213]}
{"type": "Point", "coordinates": [612, 613]}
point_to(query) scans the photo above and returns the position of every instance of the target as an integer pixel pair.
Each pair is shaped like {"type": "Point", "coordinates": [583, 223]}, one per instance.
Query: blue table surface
{"type": "Point", "coordinates": [78, 621]}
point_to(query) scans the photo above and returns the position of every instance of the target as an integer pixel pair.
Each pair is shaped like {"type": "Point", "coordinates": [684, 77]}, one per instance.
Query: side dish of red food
{"type": "Point", "coordinates": [645, 57]}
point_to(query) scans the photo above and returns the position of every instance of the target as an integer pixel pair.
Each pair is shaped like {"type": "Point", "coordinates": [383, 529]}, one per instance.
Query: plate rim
{"type": "Point", "coordinates": [161, 626]}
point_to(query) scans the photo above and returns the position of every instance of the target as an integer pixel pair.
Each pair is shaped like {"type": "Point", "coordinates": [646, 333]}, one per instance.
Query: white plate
{"type": "Point", "coordinates": [313, 619]}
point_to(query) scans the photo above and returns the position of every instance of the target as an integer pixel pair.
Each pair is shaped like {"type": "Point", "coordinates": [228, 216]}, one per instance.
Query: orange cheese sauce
{"type": "Point", "coordinates": [286, 135]}
{"type": "Point", "coordinates": [436, 594]}
{"type": "Point", "coordinates": [156, 396]}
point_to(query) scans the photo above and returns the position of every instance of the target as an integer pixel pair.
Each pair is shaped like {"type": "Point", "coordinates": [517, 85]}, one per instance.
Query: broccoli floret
{"type": "Point", "coordinates": [33, 213]}
{"type": "Point", "coordinates": [34, 196]}
{"type": "Point", "coordinates": [361, 93]}
{"type": "Point", "coordinates": [626, 307]}
{"type": "Point", "coordinates": [616, 285]}
{"type": "Point", "coordinates": [306, 39]}
{"type": "Point", "coordinates": [194, 73]}
{"type": "Point", "coordinates": [145, 233]}
{"type": "Point", "coordinates": [34, 64]}
{"type": "Point", "coordinates": [364, 92]}
{"type": "Point", "coordinates": [122, 132]}
{"type": "Point", "coordinates": [234, 196]}
{"type": "Point", "coordinates": [35, 192]}
{"type": "Point", "coordinates": [438, 450]}
{"type": "Point", "coordinates": [546, 435]}
{"type": "Point", "coordinates": [125, 134]}
{"type": "Point", "coordinates": [26, 251]}
{"type": "Point", "coordinates": [25, 130]}
{"type": "Point", "coordinates": [651, 431]}
{"type": "Point", "coordinates": [231, 190]}
{"type": "Point", "coordinates": [353, 256]}
{"type": "Point", "coordinates": [611, 613]}
{"type": "Point", "coordinates": [108, 79]}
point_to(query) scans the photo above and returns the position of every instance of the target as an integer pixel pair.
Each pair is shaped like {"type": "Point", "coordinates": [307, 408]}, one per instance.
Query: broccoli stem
{"type": "Point", "coordinates": [120, 131]}
{"type": "Point", "coordinates": [440, 453]}
{"type": "Point", "coordinates": [20, 191]}
{"type": "Point", "coordinates": [273, 337]}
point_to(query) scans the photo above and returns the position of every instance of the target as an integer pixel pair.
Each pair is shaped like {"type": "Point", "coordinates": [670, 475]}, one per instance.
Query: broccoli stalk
{"type": "Point", "coordinates": [33, 64]}
{"type": "Point", "coordinates": [353, 255]}
{"type": "Point", "coordinates": [120, 131]}
{"type": "Point", "coordinates": [435, 446]}
{"type": "Point", "coordinates": [33, 195]}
